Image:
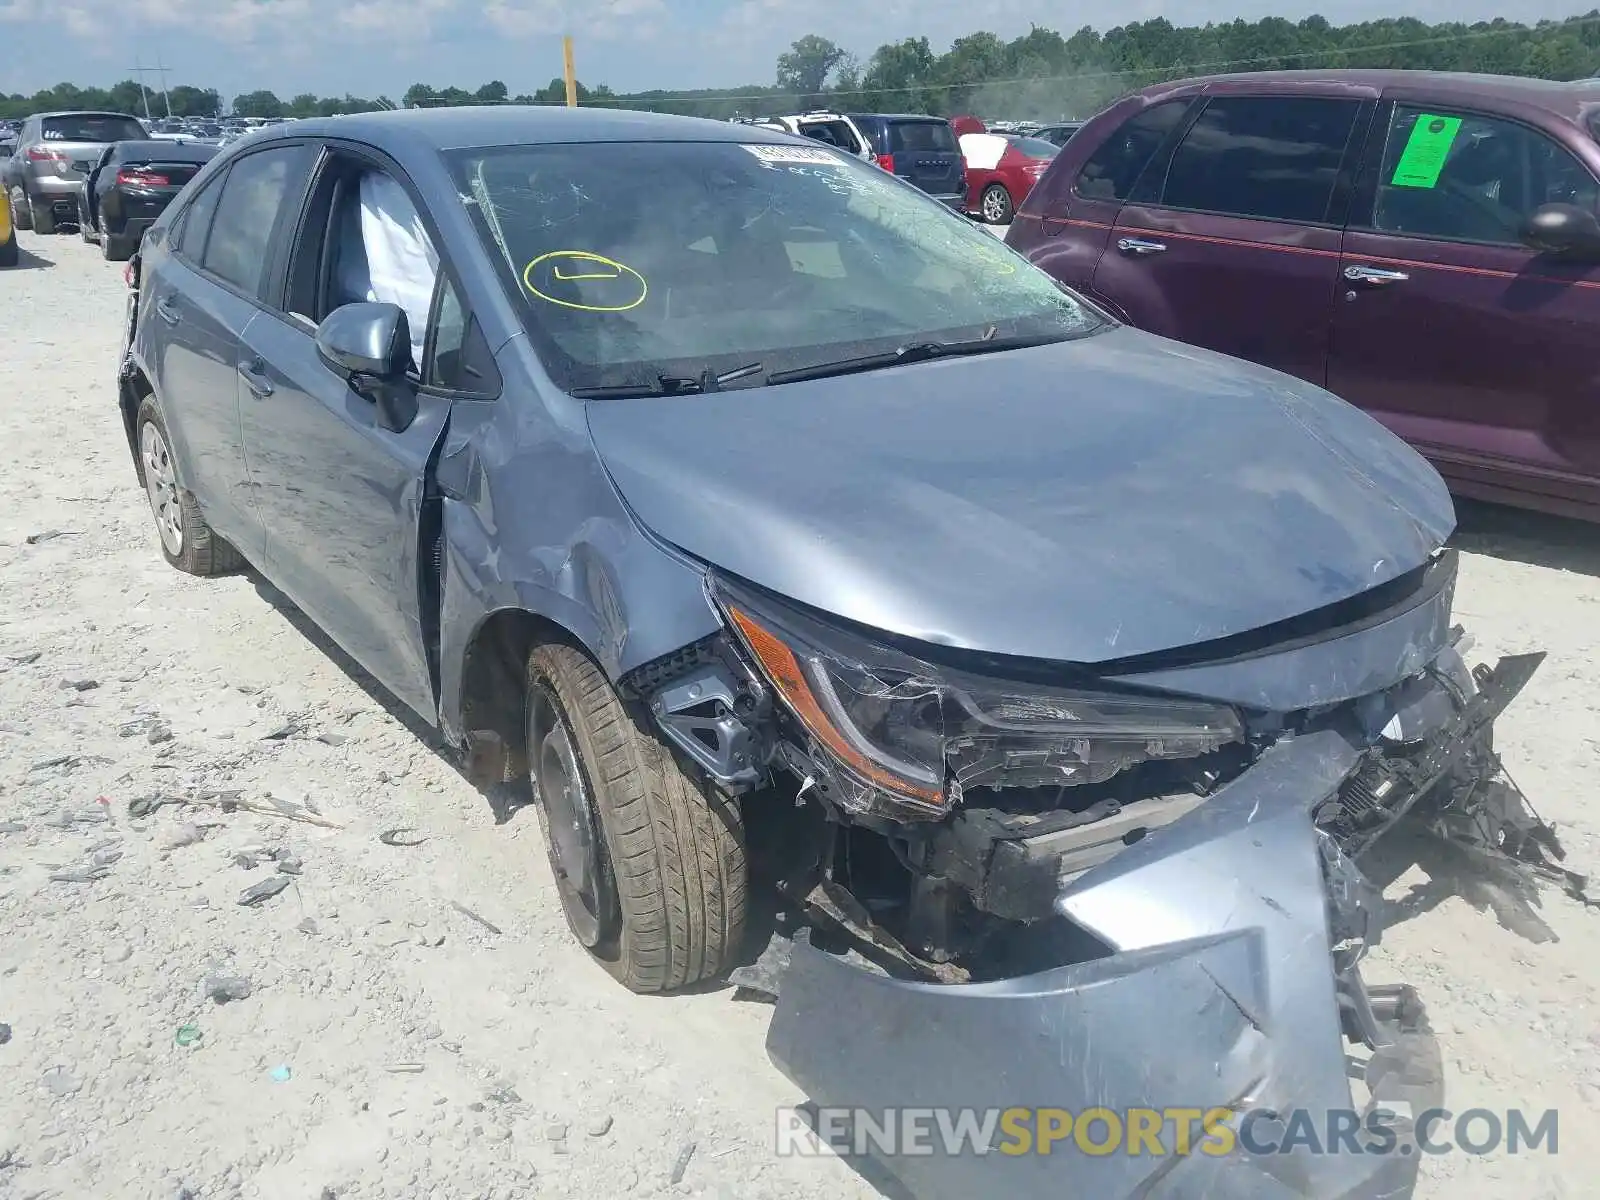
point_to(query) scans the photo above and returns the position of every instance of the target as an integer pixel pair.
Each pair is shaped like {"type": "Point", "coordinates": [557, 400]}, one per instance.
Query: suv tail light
{"type": "Point", "coordinates": [46, 154]}
{"type": "Point", "coordinates": [138, 177]}
{"type": "Point", "coordinates": [886, 161]}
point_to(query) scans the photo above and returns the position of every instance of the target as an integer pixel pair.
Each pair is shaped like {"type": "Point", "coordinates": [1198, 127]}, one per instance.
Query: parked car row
{"type": "Point", "coordinates": [101, 173]}
{"type": "Point", "coordinates": [918, 148]}
{"type": "Point", "coordinates": [1424, 245]}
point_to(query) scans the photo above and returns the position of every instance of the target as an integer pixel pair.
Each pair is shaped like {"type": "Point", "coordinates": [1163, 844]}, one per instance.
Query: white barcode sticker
{"type": "Point", "coordinates": [792, 154]}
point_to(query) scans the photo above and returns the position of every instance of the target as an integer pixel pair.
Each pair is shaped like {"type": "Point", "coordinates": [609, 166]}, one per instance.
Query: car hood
{"type": "Point", "coordinates": [1085, 501]}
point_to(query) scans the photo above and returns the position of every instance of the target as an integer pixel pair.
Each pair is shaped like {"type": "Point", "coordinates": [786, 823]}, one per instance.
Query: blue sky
{"type": "Point", "coordinates": [373, 47]}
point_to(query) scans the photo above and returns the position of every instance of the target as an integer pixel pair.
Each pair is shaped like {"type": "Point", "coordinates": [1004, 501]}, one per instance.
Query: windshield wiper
{"type": "Point", "coordinates": [909, 353]}
{"type": "Point", "coordinates": [667, 385]}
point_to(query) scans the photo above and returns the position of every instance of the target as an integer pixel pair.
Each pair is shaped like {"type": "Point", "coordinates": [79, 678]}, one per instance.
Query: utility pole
{"type": "Point", "coordinates": [572, 76]}
{"type": "Point", "coordinates": [161, 68]}
{"type": "Point", "coordinates": [139, 72]}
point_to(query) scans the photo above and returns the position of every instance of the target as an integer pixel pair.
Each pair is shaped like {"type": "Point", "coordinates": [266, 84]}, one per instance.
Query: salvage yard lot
{"type": "Point", "coordinates": [431, 1052]}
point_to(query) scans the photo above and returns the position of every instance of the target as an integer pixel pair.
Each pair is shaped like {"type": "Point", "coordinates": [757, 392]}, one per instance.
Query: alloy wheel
{"type": "Point", "coordinates": [161, 484]}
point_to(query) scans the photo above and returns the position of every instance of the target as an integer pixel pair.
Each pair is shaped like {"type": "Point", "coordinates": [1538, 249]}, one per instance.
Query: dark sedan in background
{"type": "Point", "coordinates": [130, 187]}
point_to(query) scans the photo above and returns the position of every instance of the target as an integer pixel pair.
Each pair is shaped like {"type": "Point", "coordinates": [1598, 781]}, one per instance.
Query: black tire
{"type": "Point", "coordinates": [671, 877]}
{"type": "Point", "coordinates": [21, 210]}
{"type": "Point", "coordinates": [994, 206]}
{"type": "Point", "coordinates": [44, 218]}
{"type": "Point", "coordinates": [114, 248]}
{"type": "Point", "coordinates": [86, 228]}
{"type": "Point", "coordinates": [198, 550]}
{"type": "Point", "coordinates": [9, 255]}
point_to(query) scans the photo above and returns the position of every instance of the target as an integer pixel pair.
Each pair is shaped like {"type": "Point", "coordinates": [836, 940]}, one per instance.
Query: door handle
{"type": "Point", "coordinates": [253, 372]}
{"type": "Point", "coordinates": [167, 310]}
{"type": "Point", "coordinates": [1139, 246]}
{"type": "Point", "coordinates": [1374, 276]}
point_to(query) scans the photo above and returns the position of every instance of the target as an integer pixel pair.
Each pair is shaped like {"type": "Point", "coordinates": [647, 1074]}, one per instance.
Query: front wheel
{"type": "Point", "coordinates": [649, 859]}
{"type": "Point", "coordinates": [996, 205]}
{"type": "Point", "coordinates": [187, 542]}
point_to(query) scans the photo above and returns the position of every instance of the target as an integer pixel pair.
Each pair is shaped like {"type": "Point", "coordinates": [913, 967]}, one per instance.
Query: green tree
{"type": "Point", "coordinates": [257, 104]}
{"type": "Point", "coordinates": [805, 67]}
{"type": "Point", "coordinates": [493, 92]}
{"type": "Point", "coordinates": [190, 101]}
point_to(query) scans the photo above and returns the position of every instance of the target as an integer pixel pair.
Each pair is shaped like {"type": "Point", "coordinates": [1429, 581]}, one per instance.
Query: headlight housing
{"type": "Point", "coordinates": [899, 733]}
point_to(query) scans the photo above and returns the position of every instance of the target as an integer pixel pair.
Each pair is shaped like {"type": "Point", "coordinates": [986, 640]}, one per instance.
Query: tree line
{"type": "Point", "coordinates": [1040, 75]}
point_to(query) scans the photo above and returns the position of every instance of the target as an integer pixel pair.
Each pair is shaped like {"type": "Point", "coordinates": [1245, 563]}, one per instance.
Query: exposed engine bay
{"type": "Point", "coordinates": [935, 814]}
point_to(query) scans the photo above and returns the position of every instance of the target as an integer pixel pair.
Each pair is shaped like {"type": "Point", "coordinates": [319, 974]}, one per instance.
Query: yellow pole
{"type": "Point", "coordinates": [572, 78]}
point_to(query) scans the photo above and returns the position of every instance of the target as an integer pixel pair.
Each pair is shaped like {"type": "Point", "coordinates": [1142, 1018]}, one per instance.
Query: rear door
{"type": "Point", "coordinates": [1459, 338]}
{"type": "Point", "coordinates": [204, 296]}
{"type": "Point", "coordinates": [1064, 224]}
{"type": "Point", "coordinates": [1232, 242]}
{"type": "Point", "coordinates": [927, 154]}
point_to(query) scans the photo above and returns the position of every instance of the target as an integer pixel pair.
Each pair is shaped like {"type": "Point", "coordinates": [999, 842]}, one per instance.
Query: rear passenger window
{"type": "Point", "coordinates": [1117, 162]}
{"type": "Point", "coordinates": [912, 137]}
{"type": "Point", "coordinates": [1471, 178]}
{"type": "Point", "coordinates": [252, 199]}
{"type": "Point", "coordinates": [1275, 158]}
{"type": "Point", "coordinates": [196, 220]}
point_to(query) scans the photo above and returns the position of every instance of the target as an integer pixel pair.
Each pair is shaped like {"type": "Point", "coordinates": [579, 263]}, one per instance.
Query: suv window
{"type": "Point", "coordinates": [1117, 163]}
{"type": "Point", "coordinates": [195, 221]}
{"type": "Point", "coordinates": [913, 137]}
{"type": "Point", "coordinates": [1274, 157]}
{"type": "Point", "coordinates": [1471, 178]}
{"type": "Point", "coordinates": [835, 133]}
{"type": "Point", "coordinates": [249, 207]}
{"type": "Point", "coordinates": [91, 127]}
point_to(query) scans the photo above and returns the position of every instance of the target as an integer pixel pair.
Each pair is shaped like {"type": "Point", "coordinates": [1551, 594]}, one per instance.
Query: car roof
{"type": "Point", "coordinates": [84, 112]}
{"type": "Point", "coordinates": [471, 127]}
{"type": "Point", "coordinates": [899, 117]}
{"type": "Point", "coordinates": [1570, 99]}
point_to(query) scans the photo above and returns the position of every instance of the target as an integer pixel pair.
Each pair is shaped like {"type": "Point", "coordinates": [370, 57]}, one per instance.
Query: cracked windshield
{"type": "Point", "coordinates": [643, 259]}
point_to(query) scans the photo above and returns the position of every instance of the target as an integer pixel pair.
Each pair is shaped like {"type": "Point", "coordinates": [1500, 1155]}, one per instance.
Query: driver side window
{"type": "Point", "coordinates": [1463, 177]}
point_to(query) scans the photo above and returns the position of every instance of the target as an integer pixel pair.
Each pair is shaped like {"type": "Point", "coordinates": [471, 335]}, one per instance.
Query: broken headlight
{"type": "Point", "coordinates": [916, 735]}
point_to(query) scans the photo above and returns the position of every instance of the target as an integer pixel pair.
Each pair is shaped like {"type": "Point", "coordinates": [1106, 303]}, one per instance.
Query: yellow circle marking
{"type": "Point", "coordinates": [573, 265]}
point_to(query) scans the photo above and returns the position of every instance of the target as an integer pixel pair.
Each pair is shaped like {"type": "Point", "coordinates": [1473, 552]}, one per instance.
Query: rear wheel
{"type": "Point", "coordinates": [115, 247]}
{"type": "Point", "coordinates": [44, 218]}
{"type": "Point", "coordinates": [21, 210]}
{"type": "Point", "coordinates": [996, 204]}
{"type": "Point", "coordinates": [86, 229]}
{"type": "Point", "coordinates": [649, 859]}
{"type": "Point", "coordinates": [187, 542]}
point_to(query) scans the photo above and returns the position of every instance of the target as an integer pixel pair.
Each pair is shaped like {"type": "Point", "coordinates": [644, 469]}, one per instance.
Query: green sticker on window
{"type": "Point", "coordinates": [1425, 152]}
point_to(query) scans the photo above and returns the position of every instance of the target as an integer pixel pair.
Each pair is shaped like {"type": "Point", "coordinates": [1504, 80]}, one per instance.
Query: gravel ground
{"type": "Point", "coordinates": [394, 1045]}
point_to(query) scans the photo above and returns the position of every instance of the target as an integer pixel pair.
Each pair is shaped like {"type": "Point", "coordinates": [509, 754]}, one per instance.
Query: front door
{"type": "Point", "coordinates": [1467, 344]}
{"type": "Point", "coordinates": [1233, 244]}
{"type": "Point", "coordinates": [340, 495]}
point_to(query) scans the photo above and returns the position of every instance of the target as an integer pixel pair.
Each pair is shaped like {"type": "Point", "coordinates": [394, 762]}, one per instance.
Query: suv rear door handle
{"type": "Point", "coordinates": [1374, 276]}
{"type": "Point", "coordinates": [1139, 246]}
{"type": "Point", "coordinates": [253, 372]}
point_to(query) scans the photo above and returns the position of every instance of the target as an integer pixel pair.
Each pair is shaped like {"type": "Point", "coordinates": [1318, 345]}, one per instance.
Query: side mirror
{"type": "Point", "coordinates": [370, 345]}
{"type": "Point", "coordinates": [1564, 230]}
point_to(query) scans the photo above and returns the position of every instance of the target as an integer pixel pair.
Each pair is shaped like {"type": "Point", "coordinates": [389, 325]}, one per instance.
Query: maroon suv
{"type": "Point", "coordinates": [1424, 245]}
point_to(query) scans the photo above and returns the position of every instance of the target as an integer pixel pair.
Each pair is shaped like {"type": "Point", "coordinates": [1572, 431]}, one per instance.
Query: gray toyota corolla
{"type": "Point", "coordinates": [763, 522]}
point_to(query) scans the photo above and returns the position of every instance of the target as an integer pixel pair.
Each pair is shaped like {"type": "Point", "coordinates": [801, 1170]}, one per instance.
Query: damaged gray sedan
{"type": "Point", "coordinates": [781, 533]}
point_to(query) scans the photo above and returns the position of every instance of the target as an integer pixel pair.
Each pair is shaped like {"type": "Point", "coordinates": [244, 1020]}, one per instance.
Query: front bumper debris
{"type": "Point", "coordinates": [1235, 934]}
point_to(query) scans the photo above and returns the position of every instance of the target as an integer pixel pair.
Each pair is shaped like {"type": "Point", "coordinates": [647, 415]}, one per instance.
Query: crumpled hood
{"type": "Point", "coordinates": [1086, 501]}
